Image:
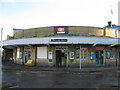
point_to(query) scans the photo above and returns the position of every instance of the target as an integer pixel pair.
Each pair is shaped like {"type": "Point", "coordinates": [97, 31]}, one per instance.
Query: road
{"type": "Point", "coordinates": [59, 79]}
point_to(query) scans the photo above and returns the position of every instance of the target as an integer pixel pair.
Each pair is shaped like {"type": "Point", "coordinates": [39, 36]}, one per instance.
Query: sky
{"type": "Point", "coordinates": [24, 14]}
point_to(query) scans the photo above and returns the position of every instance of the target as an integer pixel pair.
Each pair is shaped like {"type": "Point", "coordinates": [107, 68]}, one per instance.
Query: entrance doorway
{"type": "Point", "coordinates": [61, 57]}
{"type": "Point", "coordinates": [99, 58]}
{"type": "Point", "coordinates": [27, 55]}
{"type": "Point", "coordinates": [58, 57]}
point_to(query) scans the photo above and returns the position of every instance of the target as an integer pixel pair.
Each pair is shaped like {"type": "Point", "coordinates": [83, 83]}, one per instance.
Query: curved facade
{"type": "Point", "coordinates": [65, 46]}
{"type": "Point", "coordinates": [71, 31]}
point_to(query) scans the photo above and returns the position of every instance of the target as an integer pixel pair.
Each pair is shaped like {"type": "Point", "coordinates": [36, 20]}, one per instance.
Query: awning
{"type": "Point", "coordinates": [62, 40]}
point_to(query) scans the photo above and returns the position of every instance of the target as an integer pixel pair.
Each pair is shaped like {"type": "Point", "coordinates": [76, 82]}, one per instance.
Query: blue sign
{"type": "Point", "coordinates": [71, 60]}
{"type": "Point", "coordinates": [92, 56]}
{"type": "Point", "coordinates": [108, 54]}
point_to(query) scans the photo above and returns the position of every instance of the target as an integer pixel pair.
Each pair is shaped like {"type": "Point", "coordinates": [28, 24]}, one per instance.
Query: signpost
{"type": "Point", "coordinates": [82, 48]}
{"type": "Point", "coordinates": [80, 58]}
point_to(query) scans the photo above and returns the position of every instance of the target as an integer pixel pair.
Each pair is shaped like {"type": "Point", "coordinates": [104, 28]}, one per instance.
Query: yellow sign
{"type": "Point", "coordinates": [30, 63]}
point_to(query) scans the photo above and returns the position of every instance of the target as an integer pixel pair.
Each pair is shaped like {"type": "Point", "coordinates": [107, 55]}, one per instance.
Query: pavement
{"type": "Point", "coordinates": [12, 66]}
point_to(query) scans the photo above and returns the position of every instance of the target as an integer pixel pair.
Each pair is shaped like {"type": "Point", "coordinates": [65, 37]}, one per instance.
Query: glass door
{"type": "Point", "coordinates": [27, 55]}
{"type": "Point", "coordinates": [63, 57]}
{"type": "Point", "coordinates": [99, 57]}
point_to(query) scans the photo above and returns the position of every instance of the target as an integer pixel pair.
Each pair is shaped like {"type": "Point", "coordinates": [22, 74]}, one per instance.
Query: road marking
{"type": "Point", "coordinates": [14, 87]}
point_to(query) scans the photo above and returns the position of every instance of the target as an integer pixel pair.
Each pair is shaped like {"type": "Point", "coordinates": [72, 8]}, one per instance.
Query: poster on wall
{"type": "Point", "coordinates": [92, 56]}
{"type": "Point", "coordinates": [50, 55]}
{"type": "Point", "coordinates": [71, 55]}
{"type": "Point", "coordinates": [71, 60]}
{"type": "Point", "coordinates": [20, 55]}
{"type": "Point", "coordinates": [108, 54]}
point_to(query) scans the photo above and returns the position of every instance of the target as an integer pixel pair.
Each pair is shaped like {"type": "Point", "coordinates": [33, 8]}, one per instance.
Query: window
{"type": "Point", "coordinates": [42, 52]}
{"type": "Point", "coordinates": [84, 54]}
{"type": "Point", "coordinates": [77, 55]}
{"type": "Point", "coordinates": [110, 54]}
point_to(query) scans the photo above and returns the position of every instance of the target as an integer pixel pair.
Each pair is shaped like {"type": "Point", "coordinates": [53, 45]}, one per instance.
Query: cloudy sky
{"type": "Point", "coordinates": [24, 14]}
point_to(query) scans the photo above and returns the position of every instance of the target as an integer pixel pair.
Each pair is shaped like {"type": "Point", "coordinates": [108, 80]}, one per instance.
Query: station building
{"type": "Point", "coordinates": [64, 46]}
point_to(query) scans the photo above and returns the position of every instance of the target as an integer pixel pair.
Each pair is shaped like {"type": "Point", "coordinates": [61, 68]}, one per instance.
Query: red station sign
{"type": "Point", "coordinates": [84, 48]}
{"type": "Point", "coordinates": [99, 48]}
{"type": "Point", "coordinates": [60, 30]}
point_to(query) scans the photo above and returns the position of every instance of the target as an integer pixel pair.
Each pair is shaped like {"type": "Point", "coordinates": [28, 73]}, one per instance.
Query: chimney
{"type": "Point", "coordinates": [110, 24]}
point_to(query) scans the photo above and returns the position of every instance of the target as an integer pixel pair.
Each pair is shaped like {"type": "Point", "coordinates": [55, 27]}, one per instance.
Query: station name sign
{"type": "Point", "coordinates": [58, 40]}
